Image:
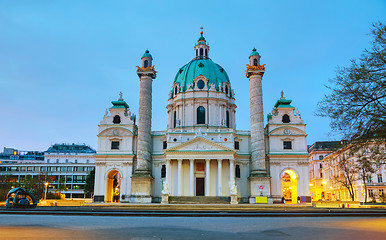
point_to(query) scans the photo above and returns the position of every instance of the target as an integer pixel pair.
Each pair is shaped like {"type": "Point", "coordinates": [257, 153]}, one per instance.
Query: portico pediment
{"type": "Point", "coordinates": [199, 144]}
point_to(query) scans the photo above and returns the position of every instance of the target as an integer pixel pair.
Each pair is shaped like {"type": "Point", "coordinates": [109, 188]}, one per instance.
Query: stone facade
{"type": "Point", "coordinates": [201, 153]}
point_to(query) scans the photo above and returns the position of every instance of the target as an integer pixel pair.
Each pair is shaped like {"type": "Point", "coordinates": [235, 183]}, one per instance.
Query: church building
{"type": "Point", "coordinates": [201, 157]}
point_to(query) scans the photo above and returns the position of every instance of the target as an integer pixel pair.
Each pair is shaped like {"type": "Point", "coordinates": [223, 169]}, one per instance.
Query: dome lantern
{"type": "Point", "coordinates": [201, 48]}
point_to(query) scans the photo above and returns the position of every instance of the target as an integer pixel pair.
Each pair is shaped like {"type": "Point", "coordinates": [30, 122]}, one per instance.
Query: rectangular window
{"type": "Point", "coordinates": [76, 160]}
{"type": "Point", "coordinates": [380, 191]}
{"type": "Point", "coordinates": [320, 165]}
{"type": "Point", "coordinates": [114, 145]}
{"type": "Point", "coordinates": [368, 179]}
{"type": "Point", "coordinates": [57, 160]}
{"type": "Point", "coordinates": [321, 175]}
{"type": "Point", "coordinates": [238, 174]}
{"type": "Point", "coordinates": [87, 161]}
{"type": "Point", "coordinates": [66, 160]}
{"type": "Point", "coordinates": [287, 144]}
{"type": "Point", "coordinates": [164, 145]}
{"type": "Point", "coordinates": [237, 145]}
{"type": "Point", "coordinates": [371, 193]}
{"type": "Point", "coordinates": [380, 178]}
{"type": "Point", "coordinates": [163, 171]}
{"type": "Point", "coordinates": [48, 160]}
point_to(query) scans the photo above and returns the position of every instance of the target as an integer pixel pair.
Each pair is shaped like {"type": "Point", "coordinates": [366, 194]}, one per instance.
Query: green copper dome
{"type": "Point", "coordinates": [147, 54]}
{"type": "Point", "coordinates": [206, 67]}
{"type": "Point", "coordinates": [254, 53]}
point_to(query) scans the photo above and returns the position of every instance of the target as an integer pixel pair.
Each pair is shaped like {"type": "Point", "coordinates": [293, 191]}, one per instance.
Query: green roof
{"type": "Point", "coordinates": [254, 53]}
{"type": "Point", "coordinates": [120, 104]}
{"type": "Point", "coordinates": [283, 103]}
{"type": "Point", "coordinates": [206, 67]}
{"type": "Point", "coordinates": [147, 54]}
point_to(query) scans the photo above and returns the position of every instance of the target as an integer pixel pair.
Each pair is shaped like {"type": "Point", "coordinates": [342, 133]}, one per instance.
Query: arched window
{"type": "Point", "coordinates": [175, 119]}
{"type": "Point", "coordinates": [175, 90]}
{"type": "Point", "coordinates": [201, 52]}
{"type": "Point", "coordinates": [255, 62]}
{"type": "Point", "coordinates": [226, 89]}
{"type": "Point", "coordinates": [206, 52]}
{"type": "Point", "coordinates": [227, 119]}
{"type": "Point", "coordinates": [200, 115]}
{"type": "Point", "coordinates": [200, 84]}
{"type": "Point", "coordinates": [196, 52]}
{"type": "Point", "coordinates": [117, 119]}
{"type": "Point", "coordinates": [145, 63]}
{"type": "Point", "coordinates": [286, 119]}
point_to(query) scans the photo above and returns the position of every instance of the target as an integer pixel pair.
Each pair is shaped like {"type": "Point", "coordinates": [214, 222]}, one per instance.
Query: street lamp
{"type": "Point", "coordinates": [45, 192]}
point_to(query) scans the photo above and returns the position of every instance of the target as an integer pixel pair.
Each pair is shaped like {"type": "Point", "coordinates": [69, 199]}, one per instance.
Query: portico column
{"type": "Point", "coordinates": [219, 175]}
{"type": "Point", "coordinates": [191, 177]}
{"type": "Point", "coordinates": [179, 177]}
{"type": "Point", "coordinates": [207, 177]}
{"type": "Point", "coordinates": [168, 180]}
{"type": "Point", "coordinates": [232, 170]}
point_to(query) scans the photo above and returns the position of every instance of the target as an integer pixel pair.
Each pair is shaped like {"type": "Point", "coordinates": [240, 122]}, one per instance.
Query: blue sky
{"type": "Point", "coordinates": [62, 62]}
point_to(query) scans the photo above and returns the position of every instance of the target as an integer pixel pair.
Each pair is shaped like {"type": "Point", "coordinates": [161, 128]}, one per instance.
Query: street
{"type": "Point", "coordinates": [106, 227]}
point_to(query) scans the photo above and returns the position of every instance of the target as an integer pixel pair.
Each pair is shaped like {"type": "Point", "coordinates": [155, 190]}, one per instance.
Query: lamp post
{"type": "Point", "coordinates": [45, 192]}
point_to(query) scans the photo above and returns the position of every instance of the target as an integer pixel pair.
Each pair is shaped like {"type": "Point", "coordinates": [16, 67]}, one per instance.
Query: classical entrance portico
{"type": "Point", "coordinates": [192, 170]}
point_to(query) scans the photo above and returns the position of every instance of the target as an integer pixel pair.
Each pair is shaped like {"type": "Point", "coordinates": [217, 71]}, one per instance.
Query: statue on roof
{"type": "Point", "coordinates": [282, 94]}
{"type": "Point", "coordinates": [120, 96]}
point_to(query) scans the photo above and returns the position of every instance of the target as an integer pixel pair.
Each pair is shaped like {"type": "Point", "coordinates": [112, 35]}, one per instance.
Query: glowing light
{"type": "Point", "coordinates": [46, 184]}
{"type": "Point", "coordinates": [291, 173]}
{"type": "Point", "coordinates": [311, 184]}
{"type": "Point", "coordinates": [324, 182]}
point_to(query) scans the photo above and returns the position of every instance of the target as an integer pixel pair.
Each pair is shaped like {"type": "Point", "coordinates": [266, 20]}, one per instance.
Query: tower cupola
{"type": "Point", "coordinates": [202, 47]}
{"type": "Point", "coordinates": [146, 59]}
{"type": "Point", "coordinates": [254, 58]}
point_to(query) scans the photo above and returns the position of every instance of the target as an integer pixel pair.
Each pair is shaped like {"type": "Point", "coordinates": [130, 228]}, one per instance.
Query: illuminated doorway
{"type": "Point", "coordinates": [289, 184]}
{"type": "Point", "coordinates": [113, 186]}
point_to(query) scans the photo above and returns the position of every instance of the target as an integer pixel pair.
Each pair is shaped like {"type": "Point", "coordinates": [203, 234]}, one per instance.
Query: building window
{"type": "Point", "coordinates": [206, 52]}
{"type": "Point", "coordinates": [226, 89]}
{"type": "Point", "coordinates": [237, 145]}
{"type": "Point", "coordinates": [145, 63]}
{"type": "Point", "coordinates": [87, 161]}
{"type": "Point", "coordinates": [380, 178]}
{"type": "Point", "coordinates": [368, 178]}
{"type": "Point", "coordinates": [57, 160]}
{"type": "Point", "coordinates": [114, 145]}
{"type": "Point", "coordinates": [371, 194]}
{"type": "Point", "coordinates": [163, 171]}
{"type": "Point", "coordinates": [201, 52]}
{"type": "Point", "coordinates": [196, 52]}
{"type": "Point", "coordinates": [175, 119]}
{"type": "Point", "coordinates": [66, 160]}
{"type": "Point", "coordinates": [255, 62]}
{"type": "Point", "coordinates": [320, 165]}
{"type": "Point", "coordinates": [164, 145]}
{"type": "Point", "coordinates": [320, 157]}
{"type": "Point", "coordinates": [321, 175]}
{"type": "Point", "coordinates": [237, 171]}
{"type": "Point", "coordinates": [380, 191]}
{"type": "Point", "coordinates": [175, 90]}
{"type": "Point", "coordinates": [287, 144]}
{"type": "Point", "coordinates": [285, 119]}
{"type": "Point", "coordinates": [76, 160]}
{"type": "Point", "coordinates": [200, 115]}
{"type": "Point", "coordinates": [200, 84]}
{"type": "Point", "coordinates": [227, 119]}
{"type": "Point", "coordinates": [117, 119]}
{"type": "Point", "coordinates": [48, 160]}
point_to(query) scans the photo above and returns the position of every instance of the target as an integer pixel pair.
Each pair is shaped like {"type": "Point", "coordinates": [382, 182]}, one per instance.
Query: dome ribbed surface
{"type": "Point", "coordinates": [206, 67]}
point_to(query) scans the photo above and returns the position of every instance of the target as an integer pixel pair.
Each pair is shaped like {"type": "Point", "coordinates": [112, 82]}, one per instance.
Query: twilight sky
{"type": "Point", "coordinates": [62, 62]}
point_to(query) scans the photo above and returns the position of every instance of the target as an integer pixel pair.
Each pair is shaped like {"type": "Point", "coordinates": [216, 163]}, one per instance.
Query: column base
{"type": "Point", "coordinates": [141, 188]}
{"type": "Point", "coordinates": [260, 189]}
{"type": "Point", "coordinates": [234, 199]}
{"type": "Point", "coordinates": [165, 199]}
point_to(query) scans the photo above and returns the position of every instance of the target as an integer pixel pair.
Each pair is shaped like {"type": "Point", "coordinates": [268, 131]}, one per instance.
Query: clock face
{"type": "Point", "coordinates": [286, 132]}
{"type": "Point", "coordinates": [116, 132]}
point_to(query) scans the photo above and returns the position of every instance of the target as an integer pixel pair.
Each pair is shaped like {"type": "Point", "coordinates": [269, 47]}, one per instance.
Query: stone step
{"type": "Point", "coordinates": [198, 200]}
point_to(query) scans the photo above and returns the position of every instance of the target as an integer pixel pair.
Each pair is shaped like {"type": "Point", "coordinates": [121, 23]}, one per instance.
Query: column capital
{"type": "Point", "coordinates": [180, 160]}
{"type": "Point", "coordinates": [191, 160]}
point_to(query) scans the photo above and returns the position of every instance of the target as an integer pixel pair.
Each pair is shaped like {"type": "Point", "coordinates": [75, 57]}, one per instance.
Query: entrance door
{"type": "Point", "coordinates": [200, 186]}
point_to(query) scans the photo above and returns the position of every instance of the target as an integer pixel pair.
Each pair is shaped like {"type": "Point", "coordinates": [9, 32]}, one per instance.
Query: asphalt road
{"type": "Point", "coordinates": [107, 227]}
